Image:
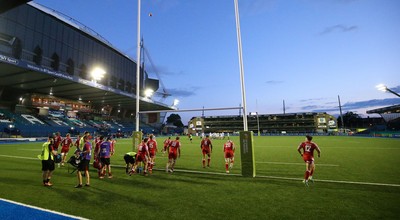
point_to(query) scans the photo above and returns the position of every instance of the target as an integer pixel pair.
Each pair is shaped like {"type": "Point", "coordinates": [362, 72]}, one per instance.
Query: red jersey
{"type": "Point", "coordinates": [152, 146]}
{"type": "Point", "coordinates": [113, 144]}
{"type": "Point", "coordinates": [167, 142]}
{"type": "Point", "coordinates": [57, 142]}
{"type": "Point", "coordinates": [77, 141]}
{"type": "Point", "coordinates": [66, 143]}
{"type": "Point", "coordinates": [174, 146]}
{"type": "Point", "coordinates": [228, 146]}
{"type": "Point", "coordinates": [206, 144]}
{"type": "Point", "coordinates": [308, 150]}
{"type": "Point", "coordinates": [142, 153]}
{"type": "Point", "coordinates": [97, 148]}
{"type": "Point", "coordinates": [143, 149]}
{"type": "Point", "coordinates": [229, 149]}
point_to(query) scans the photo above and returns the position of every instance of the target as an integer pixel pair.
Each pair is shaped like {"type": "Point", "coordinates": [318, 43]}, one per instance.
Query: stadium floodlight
{"type": "Point", "coordinates": [384, 88]}
{"type": "Point", "coordinates": [148, 93]}
{"type": "Point", "coordinates": [97, 73]}
{"type": "Point", "coordinates": [176, 102]}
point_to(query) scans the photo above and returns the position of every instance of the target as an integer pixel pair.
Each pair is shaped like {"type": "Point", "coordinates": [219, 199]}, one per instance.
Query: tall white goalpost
{"type": "Point", "coordinates": [246, 137]}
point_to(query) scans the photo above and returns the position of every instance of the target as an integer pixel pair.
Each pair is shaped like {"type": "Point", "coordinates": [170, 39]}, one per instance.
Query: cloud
{"type": "Point", "coordinates": [273, 82]}
{"type": "Point", "coordinates": [395, 89]}
{"type": "Point", "coordinates": [344, 1]}
{"type": "Point", "coordinates": [164, 5]}
{"type": "Point", "coordinates": [312, 100]}
{"type": "Point", "coordinates": [161, 70]}
{"type": "Point", "coordinates": [352, 106]}
{"type": "Point", "coordinates": [257, 7]}
{"type": "Point", "coordinates": [338, 28]}
{"type": "Point", "coordinates": [187, 92]}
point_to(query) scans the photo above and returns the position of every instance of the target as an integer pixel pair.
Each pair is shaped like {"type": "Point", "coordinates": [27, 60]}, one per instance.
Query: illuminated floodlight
{"type": "Point", "coordinates": [381, 87]}
{"type": "Point", "coordinates": [384, 88]}
{"type": "Point", "coordinates": [97, 73]}
{"type": "Point", "coordinates": [148, 93]}
{"type": "Point", "coordinates": [176, 102]}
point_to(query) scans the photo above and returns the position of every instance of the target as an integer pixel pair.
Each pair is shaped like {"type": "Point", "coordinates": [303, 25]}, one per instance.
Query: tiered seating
{"type": "Point", "coordinates": [77, 123]}
{"type": "Point", "coordinates": [40, 126]}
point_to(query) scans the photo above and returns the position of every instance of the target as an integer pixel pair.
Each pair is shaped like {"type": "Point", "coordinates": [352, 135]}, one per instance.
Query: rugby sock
{"type": "Point", "coordinates": [231, 165]}
{"type": "Point", "coordinates": [312, 171]}
{"type": "Point", "coordinates": [226, 166]}
{"type": "Point", "coordinates": [204, 162]}
{"type": "Point", "coordinates": [306, 175]}
{"type": "Point", "coordinates": [208, 161]}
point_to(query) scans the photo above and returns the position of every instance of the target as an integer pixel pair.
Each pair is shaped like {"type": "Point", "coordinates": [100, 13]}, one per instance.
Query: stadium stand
{"type": "Point", "coordinates": [309, 122]}
{"type": "Point", "coordinates": [391, 116]}
{"type": "Point", "coordinates": [45, 63]}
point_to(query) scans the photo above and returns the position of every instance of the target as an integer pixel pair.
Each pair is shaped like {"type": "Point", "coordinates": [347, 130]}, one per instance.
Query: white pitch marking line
{"type": "Point", "coordinates": [284, 163]}
{"type": "Point", "coordinates": [332, 181]}
{"type": "Point", "coordinates": [18, 157]}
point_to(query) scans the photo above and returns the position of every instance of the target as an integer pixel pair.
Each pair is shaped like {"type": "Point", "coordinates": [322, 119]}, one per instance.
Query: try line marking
{"type": "Point", "coordinates": [284, 163]}
{"type": "Point", "coordinates": [332, 181]}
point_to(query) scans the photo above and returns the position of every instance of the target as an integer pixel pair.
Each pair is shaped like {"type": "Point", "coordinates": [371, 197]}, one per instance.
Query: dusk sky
{"type": "Point", "coordinates": [306, 52]}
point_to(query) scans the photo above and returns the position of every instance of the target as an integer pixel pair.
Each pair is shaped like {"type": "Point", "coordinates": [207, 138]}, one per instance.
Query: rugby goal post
{"type": "Point", "coordinates": [246, 140]}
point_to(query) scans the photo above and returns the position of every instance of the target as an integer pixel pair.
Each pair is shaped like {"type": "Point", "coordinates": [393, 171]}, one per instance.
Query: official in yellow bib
{"type": "Point", "coordinates": [47, 157]}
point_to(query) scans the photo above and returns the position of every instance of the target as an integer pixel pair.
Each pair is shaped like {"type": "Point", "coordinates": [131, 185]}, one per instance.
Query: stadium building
{"type": "Point", "coordinates": [292, 123]}
{"type": "Point", "coordinates": [391, 115]}
{"type": "Point", "coordinates": [57, 75]}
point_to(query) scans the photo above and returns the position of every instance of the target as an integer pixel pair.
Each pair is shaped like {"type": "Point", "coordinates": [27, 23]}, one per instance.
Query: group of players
{"type": "Point", "coordinates": [104, 149]}
{"type": "Point", "coordinates": [146, 154]}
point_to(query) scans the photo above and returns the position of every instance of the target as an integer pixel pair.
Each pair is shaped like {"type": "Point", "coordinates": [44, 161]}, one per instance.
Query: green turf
{"type": "Point", "coordinates": [184, 195]}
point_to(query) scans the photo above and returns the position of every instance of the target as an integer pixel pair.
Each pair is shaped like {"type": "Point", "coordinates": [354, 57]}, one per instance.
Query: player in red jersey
{"type": "Point", "coordinates": [306, 150]}
{"type": "Point", "coordinates": [152, 152]}
{"type": "Point", "coordinates": [174, 149]}
{"type": "Point", "coordinates": [98, 141]}
{"type": "Point", "coordinates": [142, 156]}
{"type": "Point", "coordinates": [76, 144]}
{"type": "Point", "coordinates": [57, 141]}
{"type": "Point", "coordinates": [66, 144]}
{"type": "Point", "coordinates": [229, 154]}
{"type": "Point", "coordinates": [206, 149]}
{"type": "Point", "coordinates": [166, 144]}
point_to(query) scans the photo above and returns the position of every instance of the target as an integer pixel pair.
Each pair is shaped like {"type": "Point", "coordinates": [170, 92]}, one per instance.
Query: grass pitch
{"type": "Point", "coordinates": [355, 178]}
